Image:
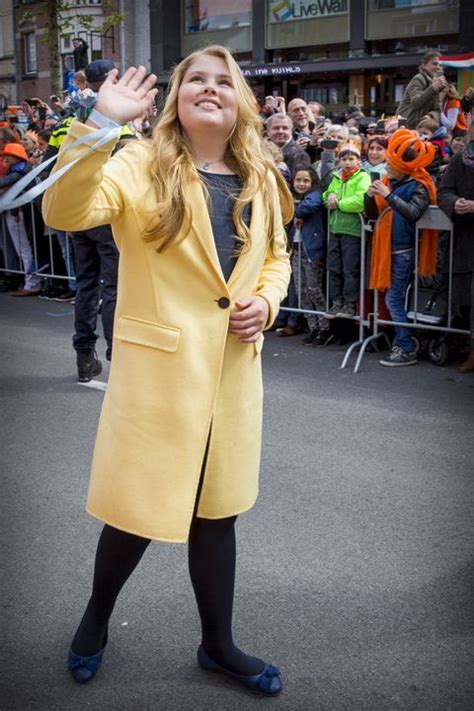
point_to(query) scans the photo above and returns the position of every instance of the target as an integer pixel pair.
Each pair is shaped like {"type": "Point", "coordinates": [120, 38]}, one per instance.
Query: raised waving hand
{"type": "Point", "coordinates": [126, 98]}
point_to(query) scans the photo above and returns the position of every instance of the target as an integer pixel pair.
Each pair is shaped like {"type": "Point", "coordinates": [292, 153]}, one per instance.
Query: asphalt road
{"type": "Point", "coordinates": [354, 568]}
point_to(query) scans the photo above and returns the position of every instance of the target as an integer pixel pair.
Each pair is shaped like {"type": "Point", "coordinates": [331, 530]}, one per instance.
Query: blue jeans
{"type": "Point", "coordinates": [402, 270]}
{"type": "Point", "coordinates": [66, 251]}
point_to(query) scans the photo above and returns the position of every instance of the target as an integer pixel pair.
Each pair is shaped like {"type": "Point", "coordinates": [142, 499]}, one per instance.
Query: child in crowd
{"type": "Point", "coordinates": [406, 192]}
{"type": "Point", "coordinates": [376, 156]}
{"type": "Point", "coordinates": [277, 155]}
{"type": "Point", "coordinates": [437, 135]}
{"type": "Point", "coordinates": [16, 159]}
{"type": "Point", "coordinates": [345, 199]}
{"type": "Point", "coordinates": [30, 143]}
{"type": "Point", "coordinates": [309, 246]}
{"type": "Point", "coordinates": [453, 117]}
{"type": "Point", "coordinates": [456, 144]}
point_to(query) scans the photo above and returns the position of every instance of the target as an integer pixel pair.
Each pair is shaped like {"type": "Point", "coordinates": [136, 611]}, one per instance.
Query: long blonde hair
{"type": "Point", "coordinates": [172, 167]}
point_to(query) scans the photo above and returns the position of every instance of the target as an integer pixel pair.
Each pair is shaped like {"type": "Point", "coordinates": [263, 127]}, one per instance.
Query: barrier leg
{"type": "Point", "coordinates": [362, 321]}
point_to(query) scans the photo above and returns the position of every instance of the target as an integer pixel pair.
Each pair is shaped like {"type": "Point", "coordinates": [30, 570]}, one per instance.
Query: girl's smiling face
{"type": "Point", "coordinates": [302, 182]}
{"type": "Point", "coordinates": [207, 99]}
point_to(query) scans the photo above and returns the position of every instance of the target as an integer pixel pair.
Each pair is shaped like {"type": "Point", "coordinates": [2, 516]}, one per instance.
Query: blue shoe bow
{"type": "Point", "coordinates": [84, 668]}
{"type": "Point", "coordinates": [268, 682]}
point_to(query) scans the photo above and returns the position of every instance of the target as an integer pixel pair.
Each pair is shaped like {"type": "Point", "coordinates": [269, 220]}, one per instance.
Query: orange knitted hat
{"type": "Point", "coordinates": [16, 150]}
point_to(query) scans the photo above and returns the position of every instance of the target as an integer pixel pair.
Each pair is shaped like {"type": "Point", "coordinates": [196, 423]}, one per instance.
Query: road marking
{"type": "Point", "coordinates": [95, 384]}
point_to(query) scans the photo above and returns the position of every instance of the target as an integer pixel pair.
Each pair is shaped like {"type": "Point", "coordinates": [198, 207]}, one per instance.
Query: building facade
{"type": "Point", "coordinates": [337, 52]}
{"type": "Point", "coordinates": [7, 53]}
{"type": "Point", "coordinates": [82, 18]}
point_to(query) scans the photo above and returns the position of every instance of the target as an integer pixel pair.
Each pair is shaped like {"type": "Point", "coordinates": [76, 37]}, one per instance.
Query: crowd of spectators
{"type": "Point", "coordinates": [340, 168]}
{"type": "Point", "coordinates": [352, 169]}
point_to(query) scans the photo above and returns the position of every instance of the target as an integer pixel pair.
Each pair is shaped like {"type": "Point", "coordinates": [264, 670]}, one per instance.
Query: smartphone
{"type": "Point", "coordinates": [374, 176]}
{"type": "Point", "coordinates": [319, 121]}
{"type": "Point", "coordinates": [329, 143]}
{"type": "Point", "coordinates": [402, 122]}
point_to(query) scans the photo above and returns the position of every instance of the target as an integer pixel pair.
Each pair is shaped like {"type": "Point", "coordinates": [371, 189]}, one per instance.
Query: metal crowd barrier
{"type": "Point", "coordinates": [434, 218]}
{"type": "Point", "coordinates": [363, 322]}
{"type": "Point", "coordinates": [13, 258]}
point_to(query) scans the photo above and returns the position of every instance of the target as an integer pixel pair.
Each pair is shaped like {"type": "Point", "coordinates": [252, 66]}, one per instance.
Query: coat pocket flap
{"type": "Point", "coordinates": [147, 333]}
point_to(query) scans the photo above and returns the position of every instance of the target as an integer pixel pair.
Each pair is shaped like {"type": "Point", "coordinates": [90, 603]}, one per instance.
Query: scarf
{"type": "Point", "coordinates": [347, 173]}
{"type": "Point", "coordinates": [381, 264]}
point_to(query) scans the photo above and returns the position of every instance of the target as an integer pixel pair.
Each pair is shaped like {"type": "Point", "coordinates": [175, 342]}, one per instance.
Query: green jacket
{"type": "Point", "coordinates": [350, 193]}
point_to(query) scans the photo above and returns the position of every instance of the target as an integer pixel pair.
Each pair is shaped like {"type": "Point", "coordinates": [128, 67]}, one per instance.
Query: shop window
{"type": "Point", "coordinates": [325, 95]}
{"type": "Point", "coordinates": [399, 91]}
{"type": "Point", "coordinates": [204, 15]}
{"type": "Point", "coordinates": [29, 52]}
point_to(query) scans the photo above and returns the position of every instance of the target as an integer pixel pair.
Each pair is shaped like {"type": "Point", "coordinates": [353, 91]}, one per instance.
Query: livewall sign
{"type": "Point", "coordinates": [286, 11]}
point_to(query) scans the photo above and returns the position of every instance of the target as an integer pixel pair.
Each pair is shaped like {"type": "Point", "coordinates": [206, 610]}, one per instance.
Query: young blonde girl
{"type": "Point", "coordinates": [197, 215]}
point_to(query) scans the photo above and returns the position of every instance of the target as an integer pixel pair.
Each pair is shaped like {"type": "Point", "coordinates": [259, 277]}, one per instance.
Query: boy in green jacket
{"type": "Point", "coordinates": [345, 199]}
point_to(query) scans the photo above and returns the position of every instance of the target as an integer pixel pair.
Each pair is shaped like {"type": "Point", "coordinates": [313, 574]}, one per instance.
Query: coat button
{"type": "Point", "coordinates": [223, 302]}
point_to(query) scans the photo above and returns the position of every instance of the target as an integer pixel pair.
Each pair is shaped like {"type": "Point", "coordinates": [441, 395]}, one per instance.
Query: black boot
{"type": "Point", "coordinates": [88, 366]}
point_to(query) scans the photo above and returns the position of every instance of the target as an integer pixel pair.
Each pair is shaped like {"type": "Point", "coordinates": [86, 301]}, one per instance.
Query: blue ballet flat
{"type": "Point", "coordinates": [268, 682]}
{"type": "Point", "coordinates": [85, 668]}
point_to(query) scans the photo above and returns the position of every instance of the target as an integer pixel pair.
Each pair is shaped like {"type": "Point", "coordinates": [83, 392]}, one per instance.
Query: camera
{"type": "Point", "coordinates": [329, 144]}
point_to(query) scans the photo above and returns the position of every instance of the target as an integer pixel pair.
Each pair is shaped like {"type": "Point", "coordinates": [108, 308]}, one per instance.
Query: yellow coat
{"type": "Point", "coordinates": [176, 374]}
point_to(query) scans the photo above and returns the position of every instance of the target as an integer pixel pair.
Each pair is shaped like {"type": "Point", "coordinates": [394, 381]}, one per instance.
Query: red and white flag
{"type": "Point", "coordinates": [458, 61]}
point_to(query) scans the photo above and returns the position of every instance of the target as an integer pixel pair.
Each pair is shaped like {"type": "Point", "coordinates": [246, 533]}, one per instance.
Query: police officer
{"type": "Point", "coordinates": [95, 260]}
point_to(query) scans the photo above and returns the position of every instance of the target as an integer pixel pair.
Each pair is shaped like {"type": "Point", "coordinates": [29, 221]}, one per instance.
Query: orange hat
{"type": "Point", "coordinates": [423, 151]}
{"type": "Point", "coordinates": [349, 147]}
{"type": "Point", "coordinates": [16, 150]}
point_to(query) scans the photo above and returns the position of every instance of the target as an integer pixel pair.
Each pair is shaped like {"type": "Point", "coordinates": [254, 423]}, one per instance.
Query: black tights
{"type": "Point", "coordinates": [212, 569]}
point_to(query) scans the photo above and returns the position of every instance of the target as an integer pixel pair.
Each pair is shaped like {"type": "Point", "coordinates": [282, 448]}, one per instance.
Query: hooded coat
{"type": "Point", "coordinates": [179, 382]}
